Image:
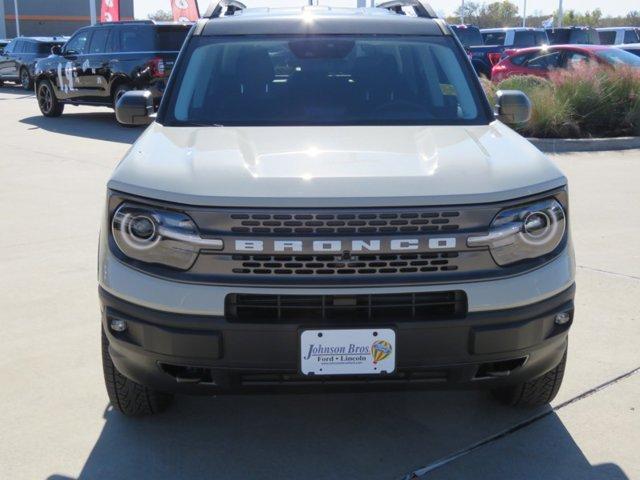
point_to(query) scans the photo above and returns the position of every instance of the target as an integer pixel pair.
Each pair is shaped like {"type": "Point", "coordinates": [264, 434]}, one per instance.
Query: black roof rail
{"type": "Point", "coordinates": [422, 9]}
{"type": "Point", "coordinates": [223, 7]}
{"type": "Point", "coordinates": [128, 22]}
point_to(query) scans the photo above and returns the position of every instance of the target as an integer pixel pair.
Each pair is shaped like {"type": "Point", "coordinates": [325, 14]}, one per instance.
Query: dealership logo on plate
{"type": "Point", "coordinates": [380, 350]}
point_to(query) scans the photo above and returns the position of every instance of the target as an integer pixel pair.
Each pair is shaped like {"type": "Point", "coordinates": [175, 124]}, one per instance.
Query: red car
{"type": "Point", "coordinates": [540, 61]}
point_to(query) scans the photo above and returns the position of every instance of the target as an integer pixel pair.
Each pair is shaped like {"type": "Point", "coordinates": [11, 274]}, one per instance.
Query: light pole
{"type": "Point", "coordinates": [560, 14]}
{"type": "Point", "coordinates": [462, 13]}
{"type": "Point", "coordinates": [92, 11]}
{"type": "Point", "coordinates": [524, 14]}
{"type": "Point", "coordinates": [15, 7]}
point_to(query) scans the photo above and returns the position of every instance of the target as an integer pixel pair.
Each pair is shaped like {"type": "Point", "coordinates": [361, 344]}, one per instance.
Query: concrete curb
{"type": "Point", "coordinates": [566, 145]}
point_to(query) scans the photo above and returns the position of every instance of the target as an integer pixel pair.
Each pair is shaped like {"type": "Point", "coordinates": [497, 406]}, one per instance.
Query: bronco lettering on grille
{"type": "Point", "coordinates": [395, 245]}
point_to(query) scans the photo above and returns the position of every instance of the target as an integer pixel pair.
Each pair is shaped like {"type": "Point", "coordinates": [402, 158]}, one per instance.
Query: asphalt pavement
{"type": "Point", "coordinates": [56, 424]}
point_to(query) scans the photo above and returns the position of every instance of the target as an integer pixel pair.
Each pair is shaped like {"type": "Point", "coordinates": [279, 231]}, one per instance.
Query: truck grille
{"type": "Point", "coordinates": [314, 309]}
{"type": "Point", "coordinates": [337, 265]}
{"type": "Point", "coordinates": [344, 223]}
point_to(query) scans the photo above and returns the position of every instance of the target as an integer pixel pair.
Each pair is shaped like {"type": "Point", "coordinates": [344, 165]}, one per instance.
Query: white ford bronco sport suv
{"type": "Point", "coordinates": [326, 198]}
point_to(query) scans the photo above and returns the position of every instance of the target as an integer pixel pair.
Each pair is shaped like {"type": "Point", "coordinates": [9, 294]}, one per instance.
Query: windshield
{"type": "Point", "coordinates": [325, 80]}
{"type": "Point", "coordinates": [468, 36]}
{"type": "Point", "coordinates": [616, 57]}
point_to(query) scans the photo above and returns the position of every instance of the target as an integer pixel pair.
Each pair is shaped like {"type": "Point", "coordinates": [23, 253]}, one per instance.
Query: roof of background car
{"type": "Point", "coordinates": [46, 39]}
{"type": "Point", "coordinates": [572, 46]}
{"type": "Point", "coordinates": [613, 29]}
{"type": "Point", "coordinates": [517, 29]}
{"type": "Point", "coordinates": [320, 20]}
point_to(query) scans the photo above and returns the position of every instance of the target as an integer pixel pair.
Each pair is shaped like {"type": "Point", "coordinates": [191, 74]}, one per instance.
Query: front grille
{"type": "Point", "coordinates": [368, 264]}
{"type": "Point", "coordinates": [351, 309]}
{"type": "Point", "coordinates": [314, 223]}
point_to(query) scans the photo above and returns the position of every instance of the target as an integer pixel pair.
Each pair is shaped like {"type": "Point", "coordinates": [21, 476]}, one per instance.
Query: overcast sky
{"type": "Point", "coordinates": [611, 7]}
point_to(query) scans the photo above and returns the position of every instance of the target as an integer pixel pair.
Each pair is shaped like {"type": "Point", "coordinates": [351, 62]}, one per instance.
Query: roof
{"type": "Point", "coordinates": [320, 20]}
{"type": "Point", "coordinates": [563, 47]}
{"type": "Point", "coordinates": [45, 39]}
{"type": "Point", "coordinates": [613, 29]}
{"type": "Point", "coordinates": [517, 29]}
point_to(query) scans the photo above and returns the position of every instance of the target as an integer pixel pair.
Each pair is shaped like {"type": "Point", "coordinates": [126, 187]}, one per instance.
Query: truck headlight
{"type": "Point", "coordinates": [159, 236]}
{"type": "Point", "coordinates": [523, 232]}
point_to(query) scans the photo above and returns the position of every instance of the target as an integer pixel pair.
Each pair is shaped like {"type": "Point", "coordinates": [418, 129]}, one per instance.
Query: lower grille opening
{"type": "Point", "coordinates": [387, 308]}
{"type": "Point", "coordinates": [272, 379]}
{"type": "Point", "coordinates": [186, 374]}
{"type": "Point", "coordinates": [499, 369]}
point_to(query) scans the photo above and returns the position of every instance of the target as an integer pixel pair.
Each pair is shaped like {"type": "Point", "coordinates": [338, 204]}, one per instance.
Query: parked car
{"type": "Point", "coordinates": [573, 36]}
{"type": "Point", "coordinates": [324, 198]}
{"type": "Point", "coordinates": [541, 61]}
{"type": "Point", "coordinates": [99, 63]}
{"type": "Point", "coordinates": [497, 40]}
{"type": "Point", "coordinates": [469, 35]}
{"type": "Point", "coordinates": [618, 35]}
{"type": "Point", "coordinates": [18, 58]}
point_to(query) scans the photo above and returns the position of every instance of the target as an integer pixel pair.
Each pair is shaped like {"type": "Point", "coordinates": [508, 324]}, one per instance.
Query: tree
{"type": "Point", "coordinates": [161, 16]}
{"type": "Point", "coordinates": [498, 14]}
{"type": "Point", "coordinates": [468, 13]}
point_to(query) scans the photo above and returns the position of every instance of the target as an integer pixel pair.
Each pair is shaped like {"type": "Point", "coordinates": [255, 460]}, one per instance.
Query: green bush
{"type": "Point", "coordinates": [588, 101]}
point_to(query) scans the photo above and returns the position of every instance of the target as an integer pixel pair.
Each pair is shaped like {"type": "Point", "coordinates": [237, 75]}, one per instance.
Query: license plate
{"type": "Point", "coordinates": [348, 352]}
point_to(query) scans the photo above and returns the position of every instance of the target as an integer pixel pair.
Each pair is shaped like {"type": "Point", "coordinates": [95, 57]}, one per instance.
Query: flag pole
{"type": "Point", "coordinates": [15, 7]}
{"type": "Point", "coordinates": [560, 15]}
{"type": "Point", "coordinates": [92, 11]}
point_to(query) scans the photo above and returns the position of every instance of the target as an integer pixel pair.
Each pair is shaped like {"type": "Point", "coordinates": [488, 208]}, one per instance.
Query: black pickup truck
{"type": "Point", "coordinates": [486, 47]}
{"type": "Point", "coordinates": [99, 63]}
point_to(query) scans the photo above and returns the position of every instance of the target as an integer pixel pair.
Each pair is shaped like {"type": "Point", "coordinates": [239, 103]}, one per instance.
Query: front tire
{"type": "Point", "coordinates": [534, 393]}
{"type": "Point", "coordinates": [49, 105]}
{"type": "Point", "coordinates": [25, 79]}
{"type": "Point", "coordinates": [129, 397]}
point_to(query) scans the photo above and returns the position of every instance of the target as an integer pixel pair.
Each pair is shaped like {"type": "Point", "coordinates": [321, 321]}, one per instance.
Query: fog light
{"type": "Point", "coordinates": [562, 318]}
{"type": "Point", "coordinates": [118, 325]}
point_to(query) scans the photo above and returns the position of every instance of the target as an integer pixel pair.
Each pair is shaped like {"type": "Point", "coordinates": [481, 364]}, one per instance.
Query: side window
{"type": "Point", "coordinates": [78, 42]}
{"type": "Point", "coordinates": [607, 38]}
{"type": "Point", "coordinates": [494, 38]}
{"type": "Point", "coordinates": [113, 43]}
{"type": "Point", "coordinates": [10, 46]}
{"type": "Point", "coordinates": [630, 36]}
{"type": "Point", "coordinates": [520, 59]}
{"type": "Point", "coordinates": [524, 39]}
{"type": "Point", "coordinates": [545, 61]}
{"type": "Point", "coordinates": [99, 40]}
{"type": "Point", "coordinates": [30, 47]}
{"type": "Point", "coordinates": [575, 59]}
{"type": "Point", "coordinates": [137, 39]}
{"type": "Point", "coordinates": [18, 46]}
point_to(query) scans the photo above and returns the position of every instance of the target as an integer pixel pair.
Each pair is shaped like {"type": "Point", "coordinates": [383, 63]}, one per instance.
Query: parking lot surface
{"type": "Point", "coordinates": [55, 418]}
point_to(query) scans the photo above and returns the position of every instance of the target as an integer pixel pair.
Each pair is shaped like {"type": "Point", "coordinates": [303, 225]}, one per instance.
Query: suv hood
{"type": "Point", "coordinates": [334, 166]}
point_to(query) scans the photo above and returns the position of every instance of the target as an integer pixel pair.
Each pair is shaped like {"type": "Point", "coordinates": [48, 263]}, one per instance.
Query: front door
{"type": "Point", "coordinates": [71, 83]}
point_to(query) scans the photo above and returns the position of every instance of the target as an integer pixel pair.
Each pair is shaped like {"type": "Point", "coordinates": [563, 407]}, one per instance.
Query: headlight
{"type": "Point", "coordinates": [159, 236]}
{"type": "Point", "coordinates": [523, 232]}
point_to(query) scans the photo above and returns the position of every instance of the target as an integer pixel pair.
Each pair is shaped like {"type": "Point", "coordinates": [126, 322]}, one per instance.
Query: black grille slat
{"type": "Point", "coordinates": [324, 223]}
{"type": "Point", "coordinates": [307, 309]}
{"type": "Point", "coordinates": [336, 265]}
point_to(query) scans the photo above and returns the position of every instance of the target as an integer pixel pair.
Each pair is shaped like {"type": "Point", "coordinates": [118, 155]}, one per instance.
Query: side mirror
{"type": "Point", "coordinates": [513, 107]}
{"type": "Point", "coordinates": [56, 50]}
{"type": "Point", "coordinates": [135, 108]}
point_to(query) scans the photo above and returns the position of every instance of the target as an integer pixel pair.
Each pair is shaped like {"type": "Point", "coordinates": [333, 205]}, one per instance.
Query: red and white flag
{"type": "Point", "coordinates": [110, 11]}
{"type": "Point", "coordinates": [185, 10]}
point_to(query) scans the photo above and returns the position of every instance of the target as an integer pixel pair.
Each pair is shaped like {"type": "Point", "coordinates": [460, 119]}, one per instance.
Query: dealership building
{"type": "Point", "coordinates": [50, 17]}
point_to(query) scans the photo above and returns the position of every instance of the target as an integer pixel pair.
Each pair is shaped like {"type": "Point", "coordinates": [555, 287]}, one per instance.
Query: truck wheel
{"type": "Point", "coordinates": [47, 101]}
{"type": "Point", "coordinates": [536, 392]}
{"type": "Point", "coordinates": [126, 396]}
{"type": "Point", "coordinates": [25, 79]}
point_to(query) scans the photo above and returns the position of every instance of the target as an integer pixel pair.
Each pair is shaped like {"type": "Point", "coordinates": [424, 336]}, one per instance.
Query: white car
{"type": "Point", "coordinates": [326, 198]}
{"type": "Point", "coordinates": [619, 35]}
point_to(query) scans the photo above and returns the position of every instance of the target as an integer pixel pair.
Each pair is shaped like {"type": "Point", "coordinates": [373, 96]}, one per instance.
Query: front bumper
{"type": "Point", "coordinates": [194, 353]}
